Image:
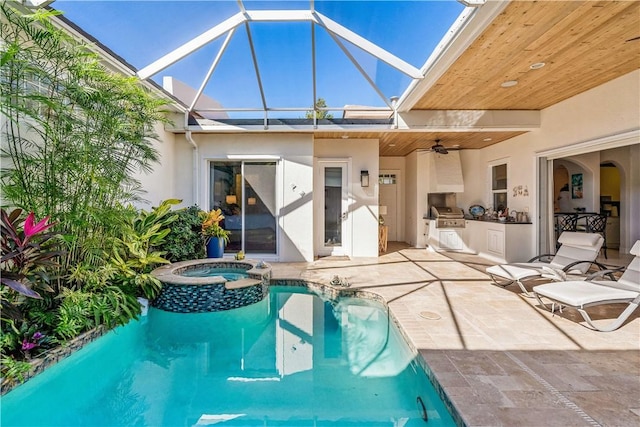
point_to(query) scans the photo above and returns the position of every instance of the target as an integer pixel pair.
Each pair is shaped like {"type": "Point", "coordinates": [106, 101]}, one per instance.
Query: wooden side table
{"type": "Point", "coordinates": [383, 233]}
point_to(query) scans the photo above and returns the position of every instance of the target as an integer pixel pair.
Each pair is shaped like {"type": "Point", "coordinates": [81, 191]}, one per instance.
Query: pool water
{"type": "Point", "coordinates": [231, 274]}
{"type": "Point", "coordinates": [292, 359]}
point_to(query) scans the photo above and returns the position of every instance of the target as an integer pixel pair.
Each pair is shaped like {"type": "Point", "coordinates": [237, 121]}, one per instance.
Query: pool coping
{"type": "Point", "coordinates": [170, 273]}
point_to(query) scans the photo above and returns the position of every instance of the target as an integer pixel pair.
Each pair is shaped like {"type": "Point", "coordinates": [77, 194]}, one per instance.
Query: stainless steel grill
{"type": "Point", "coordinates": [448, 216]}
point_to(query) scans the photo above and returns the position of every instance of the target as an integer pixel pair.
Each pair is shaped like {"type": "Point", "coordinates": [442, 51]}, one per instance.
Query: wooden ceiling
{"type": "Point", "coordinates": [582, 43]}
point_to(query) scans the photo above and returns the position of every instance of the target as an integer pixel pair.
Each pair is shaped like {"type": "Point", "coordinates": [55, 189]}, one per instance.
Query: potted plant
{"type": "Point", "coordinates": [215, 236]}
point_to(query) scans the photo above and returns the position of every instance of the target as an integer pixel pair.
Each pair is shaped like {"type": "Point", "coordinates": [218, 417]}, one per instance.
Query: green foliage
{"type": "Point", "coordinates": [135, 254]}
{"type": "Point", "coordinates": [185, 240]}
{"type": "Point", "coordinates": [317, 109]}
{"type": "Point", "coordinates": [13, 371]}
{"type": "Point", "coordinates": [75, 133]}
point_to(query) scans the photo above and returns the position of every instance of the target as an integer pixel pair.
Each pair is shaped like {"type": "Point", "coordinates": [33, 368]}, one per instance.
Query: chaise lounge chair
{"type": "Point", "coordinates": [590, 292]}
{"type": "Point", "coordinates": [576, 254]}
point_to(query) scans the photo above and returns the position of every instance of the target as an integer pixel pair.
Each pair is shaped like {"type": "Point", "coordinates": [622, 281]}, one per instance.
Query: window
{"type": "Point", "coordinates": [499, 186]}
{"type": "Point", "coordinates": [387, 179]}
{"type": "Point", "coordinates": [246, 193]}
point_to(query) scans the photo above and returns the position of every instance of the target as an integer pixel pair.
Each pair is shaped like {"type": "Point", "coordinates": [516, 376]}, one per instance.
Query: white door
{"type": "Point", "coordinates": [334, 218]}
{"type": "Point", "coordinates": [389, 196]}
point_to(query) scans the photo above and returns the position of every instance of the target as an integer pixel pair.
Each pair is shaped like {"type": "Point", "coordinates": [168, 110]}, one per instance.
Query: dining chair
{"type": "Point", "coordinates": [598, 224]}
{"type": "Point", "coordinates": [565, 222]}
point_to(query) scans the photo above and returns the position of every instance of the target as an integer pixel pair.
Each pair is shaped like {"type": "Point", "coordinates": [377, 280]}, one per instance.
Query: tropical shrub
{"type": "Point", "coordinates": [185, 241]}
{"type": "Point", "coordinates": [75, 133]}
{"type": "Point", "coordinates": [26, 252]}
{"type": "Point", "coordinates": [135, 254]}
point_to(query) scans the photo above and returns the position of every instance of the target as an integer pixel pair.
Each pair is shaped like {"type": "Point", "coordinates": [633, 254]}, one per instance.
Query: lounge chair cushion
{"type": "Point", "coordinates": [581, 293]}
{"type": "Point", "coordinates": [573, 238]}
{"type": "Point", "coordinates": [577, 246]}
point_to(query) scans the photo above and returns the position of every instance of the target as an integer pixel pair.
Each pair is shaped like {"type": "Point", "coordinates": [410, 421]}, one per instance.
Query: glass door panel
{"type": "Point", "coordinates": [333, 237]}
{"type": "Point", "coordinates": [333, 206]}
{"type": "Point", "coordinates": [245, 192]}
{"type": "Point", "coordinates": [260, 207]}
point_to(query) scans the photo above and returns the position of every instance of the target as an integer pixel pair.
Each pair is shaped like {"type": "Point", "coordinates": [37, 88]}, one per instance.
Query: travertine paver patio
{"type": "Point", "coordinates": [500, 358]}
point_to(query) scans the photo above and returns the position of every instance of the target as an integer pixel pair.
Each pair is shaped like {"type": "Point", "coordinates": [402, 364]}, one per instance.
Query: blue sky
{"type": "Point", "coordinates": [143, 31]}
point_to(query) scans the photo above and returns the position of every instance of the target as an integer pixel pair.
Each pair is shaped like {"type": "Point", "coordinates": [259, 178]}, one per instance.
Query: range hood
{"type": "Point", "coordinates": [445, 173]}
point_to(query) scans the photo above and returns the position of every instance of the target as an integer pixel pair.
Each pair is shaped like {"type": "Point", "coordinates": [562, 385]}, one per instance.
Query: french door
{"type": "Point", "coordinates": [334, 233]}
{"type": "Point", "coordinates": [245, 191]}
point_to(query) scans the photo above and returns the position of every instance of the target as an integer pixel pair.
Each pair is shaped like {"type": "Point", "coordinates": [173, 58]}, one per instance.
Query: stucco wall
{"type": "Point", "coordinates": [159, 183]}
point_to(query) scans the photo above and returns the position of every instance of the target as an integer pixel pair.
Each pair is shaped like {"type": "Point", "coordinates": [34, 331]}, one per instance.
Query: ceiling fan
{"type": "Point", "coordinates": [439, 148]}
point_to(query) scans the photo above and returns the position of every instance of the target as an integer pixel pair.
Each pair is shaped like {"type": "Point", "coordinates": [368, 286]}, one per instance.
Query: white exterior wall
{"type": "Point", "coordinates": [363, 211]}
{"type": "Point", "coordinates": [416, 199]}
{"type": "Point", "coordinates": [159, 183]}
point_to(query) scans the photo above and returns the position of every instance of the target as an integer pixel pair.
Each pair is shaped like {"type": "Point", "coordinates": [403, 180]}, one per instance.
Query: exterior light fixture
{"type": "Point", "coordinates": [509, 83]}
{"type": "Point", "coordinates": [364, 178]}
{"type": "Point", "coordinates": [537, 65]}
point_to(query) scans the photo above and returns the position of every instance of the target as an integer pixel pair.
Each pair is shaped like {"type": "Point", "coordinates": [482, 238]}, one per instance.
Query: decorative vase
{"type": "Point", "coordinates": [215, 247]}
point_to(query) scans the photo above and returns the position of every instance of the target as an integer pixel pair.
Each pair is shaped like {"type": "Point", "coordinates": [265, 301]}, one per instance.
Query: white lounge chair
{"type": "Point", "coordinates": [586, 293]}
{"type": "Point", "coordinates": [576, 254]}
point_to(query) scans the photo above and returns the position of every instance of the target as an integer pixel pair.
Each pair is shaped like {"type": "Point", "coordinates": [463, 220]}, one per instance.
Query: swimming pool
{"type": "Point", "coordinates": [292, 359]}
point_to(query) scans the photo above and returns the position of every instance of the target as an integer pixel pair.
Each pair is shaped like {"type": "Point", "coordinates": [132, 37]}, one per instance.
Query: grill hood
{"type": "Point", "coordinates": [445, 173]}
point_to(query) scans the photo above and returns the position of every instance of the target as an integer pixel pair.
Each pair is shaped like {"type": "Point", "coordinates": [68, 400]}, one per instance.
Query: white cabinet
{"type": "Point", "coordinates": [498, 242]}
{"type": "Point", "coordinates": [495, 242]}
{"type": "Point", "coordinates": [450, 240]}
{"type": "Point", "coordinates": [445, 239]}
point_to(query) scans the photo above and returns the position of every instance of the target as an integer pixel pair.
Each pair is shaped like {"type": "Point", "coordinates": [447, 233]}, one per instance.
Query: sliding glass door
{"type": "Point", "coordinates": [246, 193]}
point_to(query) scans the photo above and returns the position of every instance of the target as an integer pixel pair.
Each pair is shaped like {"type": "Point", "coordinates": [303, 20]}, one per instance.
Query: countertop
{"type": "Point", "coordinates": [483, 219]}
{"type": "Point", "coordinates": [508, 221]}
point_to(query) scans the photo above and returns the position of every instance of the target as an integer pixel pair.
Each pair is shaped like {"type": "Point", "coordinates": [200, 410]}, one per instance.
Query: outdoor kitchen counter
{"type": "Point", "coordinates": [499, 241]}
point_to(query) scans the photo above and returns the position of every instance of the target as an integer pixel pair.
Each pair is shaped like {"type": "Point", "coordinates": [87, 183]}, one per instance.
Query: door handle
{"type": "Point", "coordinates": [344, 216]}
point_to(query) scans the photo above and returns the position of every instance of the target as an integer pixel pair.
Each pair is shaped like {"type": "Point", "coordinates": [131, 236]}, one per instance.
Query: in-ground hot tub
{"type": "Point", "coordinates": [205, 285]}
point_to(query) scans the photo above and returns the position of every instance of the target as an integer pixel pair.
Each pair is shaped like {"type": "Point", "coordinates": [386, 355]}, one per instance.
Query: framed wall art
{"type": "Point", "coordinates": [576, 186]}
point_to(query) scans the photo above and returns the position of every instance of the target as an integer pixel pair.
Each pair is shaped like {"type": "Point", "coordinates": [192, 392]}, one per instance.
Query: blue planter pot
{"type": "Point", "coordinates": [215, 247]}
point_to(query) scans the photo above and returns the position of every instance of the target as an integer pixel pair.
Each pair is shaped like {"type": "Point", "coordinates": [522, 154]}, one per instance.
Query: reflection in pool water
{"type": "Point", "coordinates": [292, 359]}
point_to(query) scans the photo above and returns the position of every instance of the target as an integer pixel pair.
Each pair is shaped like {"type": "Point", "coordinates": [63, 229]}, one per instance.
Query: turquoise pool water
{"type": "Point", "coordinates": [289, 360]}
{"type": "Point", "coordinates": [230, 274]}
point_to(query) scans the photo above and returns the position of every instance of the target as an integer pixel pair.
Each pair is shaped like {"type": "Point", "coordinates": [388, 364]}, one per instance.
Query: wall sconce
{"type": "Point", "coordinates": [231, 199]}
{"type": "Point", "coordinates": [251, 201]}
{"type": "Point", "coordinates": [364, 178]}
